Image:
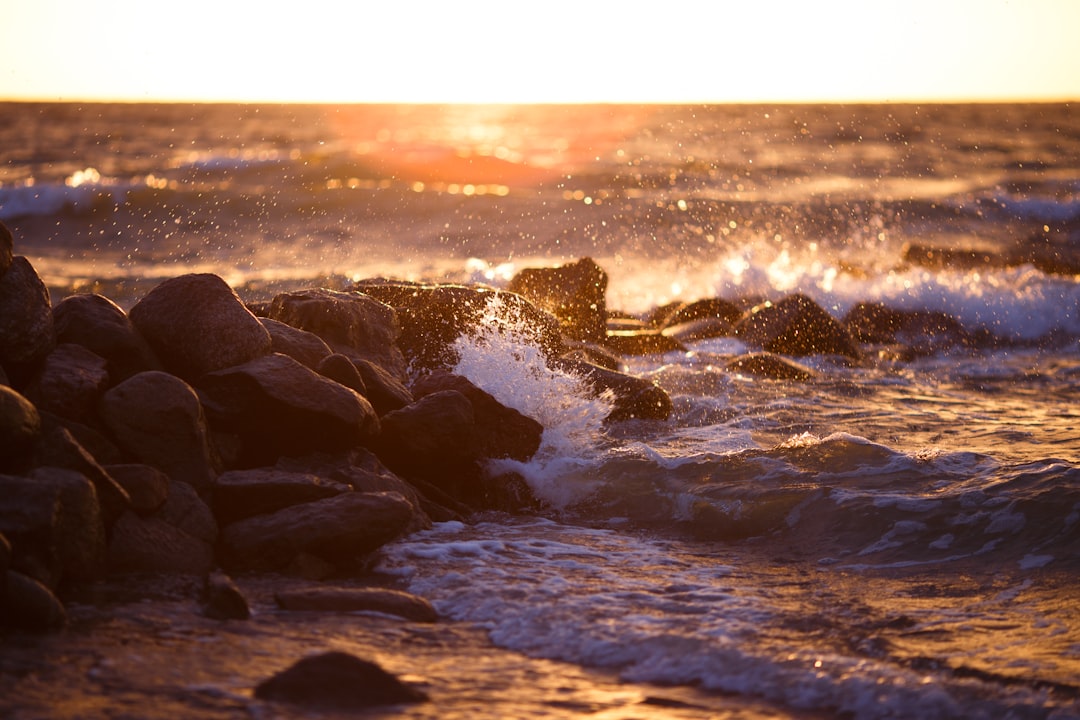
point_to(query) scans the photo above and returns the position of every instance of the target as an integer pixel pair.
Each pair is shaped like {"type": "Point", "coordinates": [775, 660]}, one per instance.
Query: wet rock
{"type": "Point", "coordinates": [707, 309]}
{"type": "Point", "coordinates": [57, 447]}
{"type": "Point", "coordinates": [99, 325]}
{"type": "Point", "coordinates": [633, 397]}
{"type": "Point", "coordinates": [594, 354]}
{"type": "Point", "coordinates": [153, 545]}
{"type": "Point", "coordinates": [795, 326]}
{"type": "Point", "coordinates": [304, 347]}
{"type": "Point", "coordinates": [645, 342]}
{"type": "Point", "coordinates": [700, 329]}
{"type": "Point", "coordinates": [27, 605]}
{"type": "Point", "coordinates": [929, 256]}
{"type": "Point", "coordinates": [341, 370]}
{"type": "Point", "coordinates": [70, 383]}
{"type": "Point", "coordinates": [20, 427]}
{"type": "Point", "coordinates": [350, 323]}
{"type": "Point", "coordinates": [923, 332]}
{"type": "Point", "coordinates": [222, 599]}
{"type": "Point", "coordinates": [339, 530]}
{"type": "Point", "coordinates": [147, 486]}
{"type": "Point", "coordinates": [433, 317]}
{"type": "Point", "coordinates": [240, 494]}
{"type": "Point", "coordinates": [384, 391]}
{"type": "Point", "coordinates": [280, 407]}
{"type": "Point", "coordinates": [196, 324]}
{"type": "Point", "coordinates": [7, 248]}
{"type": "Point", "coordinates": [26, 322]}
{"type": "Point", "coordinates": [770, 366]}
{"type": "Point", "coordinates": [337, 681]}
{"type": "Point", "coordinates": [157, 419]}
{"type": "Point", "coordinates": [341, 599]}
{"type": "Point", "coordinates": [501, 432]}
{"type": "Point", "coordinates": [574, 293]}
{"type": "Point", "coordinates": [53, 522]}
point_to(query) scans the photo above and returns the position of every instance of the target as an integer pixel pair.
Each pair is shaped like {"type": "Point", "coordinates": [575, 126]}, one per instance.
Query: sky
{"type": "Point", "coordinates": [541, 51]}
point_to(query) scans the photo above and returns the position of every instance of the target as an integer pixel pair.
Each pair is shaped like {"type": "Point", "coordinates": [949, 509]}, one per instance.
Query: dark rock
{"type": "Point", "coordinates": [26, 322]}
{"type": "Point", "coordinates": [795, 326]}
{"type": "Point", "coordinates": [648, 342]}
{"type": "Point", "coordinates": [147, 486]}
{"type": "Point", "coordinates": [342, 599]}
{"type": "Point", "coordinates": [929, 256]}
{"type": "Point", "coordinates": [58, 448]}
{"type": "Point", "coordinates": [433, 317]}
{"type": "Point", "coordinates": [384, 391]}
{"type": "Point", "coordinates": [501, 432]}
{"type": "Point", "coordinates": [157, 419]}
{"type": "Point", "coordinates": [770, 366]}
{"type": "Point", "coordinates": [93, 439]}
{"type": "Point", "coordinates": [99, 325]}
{"type": "Point", "coordinates": [222, 599]}
{"type": "Point", "coordinates": [633, 397]}
{"type": "Point", "coordinates": [574, 293]}
{"type": "Point", "coordinates": [341, 370]}
{"type": "Point", "coordinates": [337, 681]}
{"type": "Point", "coordinates": [707, 309]}
{"type": "Point", "coordinates": [240, 494]}
{"type": "Point", "coordinates": [152, 545]}
{"type": "Point", "coordinates": [29, 606]}
{"type": "Point", "coordinates": [70, 383]}
{"type": "Point", "coordinates": [196, 324]}
{"type": "Point", "coordinates": [338, 529]}
{"type": "Point", "coordinates": [700, 329]}
{"type": "Point", "coordinates": [924, 332]}
{"type": "Point", "coordinates": [280, 407]}
{"type": "Point", "coordinates": [53, 522]}
{"type": "Point", "coordinates": [7, 248]}
{"type": "Point", "coordinates": [5, 557]}
{"type": "Point", "coordinates": [594, 354]}
{"type": "Point", "coordinates": [1053, 250]}
{"type": "Point", "coordinates": [352, 324]}
{"type": "Point", "coordinates": [304, 347]}
{"type": "Point", "coordinates": [20, 427]}
{"type": "Point", "coordinates": [186, 511]}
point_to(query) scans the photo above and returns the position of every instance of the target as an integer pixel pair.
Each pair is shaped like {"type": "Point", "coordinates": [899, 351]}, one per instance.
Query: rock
{"type": "Point", "coordinates": [58, 448]}
{"type": "Point", "coordinates": [186, 511]}
{"type": "Point", "coordinates": [99, 325]}
{"type": "Point", "coordinates": [339, 529]}
{"type": "Point", "coordinates": [7, 248]}
{"type": "Point", "coordinates": [26, 322]}
{"type": "Point", "coordinates": [20, 427]}
{"type": "Point", "coordinates": [341, 370]}
{"type": "Point", "coordinates": [341, 599]}
{"type": "Point", "coordinates": [769, 366]}
{"type": "Point", "coordinates": [240, 494]}
{"type": "Point", "coordinates": [795, 326]}
{"type": "Point", "coordinates": [574, 293]}
{"type": "Point", "coordinates": [53, 522]}
{"type": "Point", "coordinates": [352, 324]}
{"type": "Point", "coordinates": [196, 324]}
{"type": "Point", "coordinates": [152, 545]}
{"type": "Point", "coordinates": [633, 397]}
{"type": "Point", "coordinates": [953, 258]}
{"type": "Point", "coordinates": [641, 342]}
{"type": "Point", "coordinates": [707, 309]}
{"type": "Point", "coordinates": [147, 486]}
{"type": "Point", "coordinates": [304, 347]}
{"type": "Point", "coordinates": [501, 432]}
{"type": "Point", "coordinates": [433, 317]}
{"type": "Point", "coordinates": [700, 329]}
{"type": "Point", "coordinates": [29, 606]}
{"type": "Point", "coordinates": [923, 332]}
{"type": "Point", "coordinates": [70, 383]}
{"type": "Point", "coordinates": [280, 407]}
{"type": "Point", "coordinates": [5, 557]}
{"type": "Point", "coordinates": [337, 681]}
{"type": "Point", "coordinates": [222, 599]}
{"type": "Point", "coordinates": [384, 391]}
{"type": "Point", "coordinates": [157, 419]}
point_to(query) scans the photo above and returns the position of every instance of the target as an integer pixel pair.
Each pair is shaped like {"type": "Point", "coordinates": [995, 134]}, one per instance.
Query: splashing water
{"type": "Point", "coordinates": [500, 357]}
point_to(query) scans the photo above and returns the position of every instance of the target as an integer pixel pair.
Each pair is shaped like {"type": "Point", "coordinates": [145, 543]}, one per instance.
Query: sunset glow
{"type": "Point", "coordinates": [550, 52]}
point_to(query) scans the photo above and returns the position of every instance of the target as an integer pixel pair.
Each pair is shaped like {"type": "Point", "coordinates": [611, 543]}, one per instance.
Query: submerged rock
{"type": "Point", "coordinates": [341, 599]}
{"type": "Point", "coordinates": [795, 326]}
{"type": "Point", "coordinates": [197, 324]}
{"type": "Point", "coordinates": [770, 366]}
{"type": "Point", "coordinates": [222, 599]}
{"type": "Point", "coordinates": [337, 681]}
{"type": "Point", "coordinates": [633, 397]}
{"type": "Point", "coordinates": [574, 293]}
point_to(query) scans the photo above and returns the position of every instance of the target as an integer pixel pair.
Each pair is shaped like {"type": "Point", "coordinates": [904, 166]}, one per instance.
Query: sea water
{"type": "Point", "coordinates": [896, 537]}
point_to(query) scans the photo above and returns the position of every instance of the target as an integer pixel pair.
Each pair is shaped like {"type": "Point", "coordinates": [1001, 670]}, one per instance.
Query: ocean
{"type": "Point", "coordinates": [897, 536]}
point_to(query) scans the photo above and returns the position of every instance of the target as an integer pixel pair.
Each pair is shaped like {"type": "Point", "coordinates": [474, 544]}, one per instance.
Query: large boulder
{"type": "Point", "coordinates": [26, 321]}
{"type": "Point", "coordinates": [338, 682]}
{"type": "Point", "coordinates": [146, 486]}
{"type": "Point", "coordinates": [339, 529]}
{"type": "Point", "coordinates": [196, 324]}
{"type": "Point", "coordinates": [357, 599]}
{"type": "Point", "coordinates": [279, 407]}
{"type": "Point", "coordinates": [99, 325]}
{"type": "Point", "coordinates": [705, 309]}
{"type": "Point", "coordinates": [301, 345]}
{"type": "Point", "coordinates": [240, 494]}
{"type": "Point", "coordinates": [352, 324]}
{"type": "Point", "coordinates": [20, 427]}
{"type": "Point", "coordinates": [157, 419]}
{"type": "Point", "coordinates": [152, 545]}
{"type": "Point", "coordinates": [795, 326]}
{"type": "Point", "coordinates": [574, 293]}
{"type": "Point", "coordinates": [633, 397]}
{"type": "Point", "coordinates": [433, 317]}
{"type": "Point", "coordinates": [70, 383]}
{"type": "Point", "coordinates": [922, 331]}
